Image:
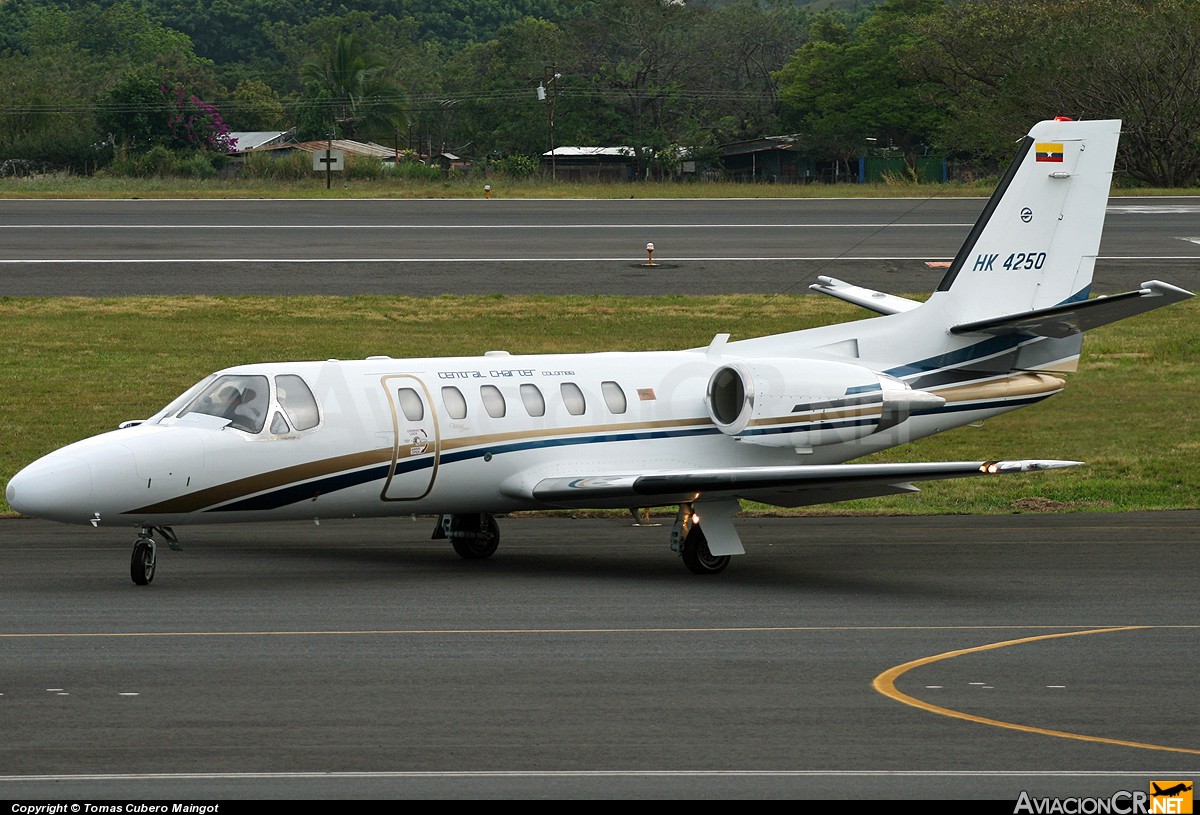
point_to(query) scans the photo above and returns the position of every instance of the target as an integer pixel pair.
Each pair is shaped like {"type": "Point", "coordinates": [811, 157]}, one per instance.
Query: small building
{"type": "Point", "coordinates": [451, 163]}
{"type": "Point", "coordinates": [590, 163]}
{"type": "Point", "coordinates": [347, 146]}
{"type": "Point", "coordinates": [769, 158]}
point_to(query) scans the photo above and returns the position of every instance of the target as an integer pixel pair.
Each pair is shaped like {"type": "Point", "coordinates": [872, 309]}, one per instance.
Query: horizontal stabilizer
{"type": "Point", "coordinates": [783, 486]}
{"type": "Point", "coordinates": [867, 298]}
{"type": "Point", "coordinates": [1074, 318]}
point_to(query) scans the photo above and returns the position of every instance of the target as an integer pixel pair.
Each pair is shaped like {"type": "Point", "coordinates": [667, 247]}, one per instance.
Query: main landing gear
{"type": "Point", "coordinates": [687, 538]}
{"type": "Point", "coordinates": [145, 553]}
{"type": "Point", "coordinates": [474, 535]}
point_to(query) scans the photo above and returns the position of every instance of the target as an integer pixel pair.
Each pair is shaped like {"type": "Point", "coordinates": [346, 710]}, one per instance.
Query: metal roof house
{"type": "Point", "coordinates": [254, 139]}
{"type": "Point", "coordinates": [347, 146]}
{"type": "Point", "coordinates": [590, 163]}
{"type": "Point", "coordinates": [769, 158]}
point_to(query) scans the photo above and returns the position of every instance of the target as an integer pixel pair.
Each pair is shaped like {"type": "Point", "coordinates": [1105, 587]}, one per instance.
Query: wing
{"type": "Point", "coordinates": [781, 486]}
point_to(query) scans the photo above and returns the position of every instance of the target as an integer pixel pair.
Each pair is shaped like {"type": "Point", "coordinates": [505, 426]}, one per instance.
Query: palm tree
{"type": "Point", "coordinates": [353, 91]}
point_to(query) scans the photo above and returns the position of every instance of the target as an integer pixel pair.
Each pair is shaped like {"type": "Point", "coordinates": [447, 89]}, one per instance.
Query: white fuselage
{"type": "Point", "coordinates": [417, 436]}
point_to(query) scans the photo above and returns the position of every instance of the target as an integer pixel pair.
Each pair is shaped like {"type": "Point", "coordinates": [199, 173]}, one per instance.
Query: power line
{"type": "Point", "coordinates": [424, 103]}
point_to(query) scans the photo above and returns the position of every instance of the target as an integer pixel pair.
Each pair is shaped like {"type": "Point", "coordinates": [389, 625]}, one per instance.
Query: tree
{"type": "Point", "coordinates": [253, 105]}
{"type": "Point", "coordinates": [115, 37]}
{"type": "Point", "coordinates": [146, 109]}
{"type": "Point", "coordinates": [47, 114]}
{"type": "Point", "coordinates": [742, 45]}
{"type": "Point", "coordinates": [849, 84]}
{"type": "Point", "coordinates": [134, 112]}
{"type": "Point", "coordinates": [351, 92]}
{"type": "Point", "coordinates": [495, 85]}
{"type": "Point", "coordinates": [1001, 65]}
{"type": "Point", "coordinates": [635, 60]}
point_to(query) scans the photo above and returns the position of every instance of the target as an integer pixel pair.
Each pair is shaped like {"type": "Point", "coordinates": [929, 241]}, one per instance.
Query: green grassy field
{"type": "Point", "coordinates": [66, 186]}
{"type": "Point", "coordinates": [461, 187]}
{"type": "Point", "coordinates": [73, 367]}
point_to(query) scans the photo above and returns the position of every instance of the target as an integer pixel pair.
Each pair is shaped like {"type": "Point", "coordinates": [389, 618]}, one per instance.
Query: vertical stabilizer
{"type": "Point", "coordinates": [1035, 244]}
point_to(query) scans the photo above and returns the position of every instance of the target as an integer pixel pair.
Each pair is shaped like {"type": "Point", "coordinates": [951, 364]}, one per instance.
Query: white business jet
{"type": "Point", "coordinates": [770, 419]}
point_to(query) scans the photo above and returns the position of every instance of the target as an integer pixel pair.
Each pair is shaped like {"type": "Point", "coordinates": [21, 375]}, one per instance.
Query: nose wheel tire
{"type": "Point", "coordinates": [697, 557]}
{"type": "Point", "coordinates": [141, 565]}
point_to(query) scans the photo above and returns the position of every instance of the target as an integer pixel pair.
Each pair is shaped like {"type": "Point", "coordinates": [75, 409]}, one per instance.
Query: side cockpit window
{"type": "Point", "coordinates": [297, 401]}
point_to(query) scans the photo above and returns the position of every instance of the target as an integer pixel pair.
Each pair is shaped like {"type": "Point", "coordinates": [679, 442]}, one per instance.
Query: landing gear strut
{"type": "Point", "coordinates": [145, 553]}
{"type": "Point", "coordinates": [474, 536]}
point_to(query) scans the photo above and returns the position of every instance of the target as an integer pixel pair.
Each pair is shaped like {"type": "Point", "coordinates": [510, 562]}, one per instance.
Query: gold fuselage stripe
{"type": "Point", "coordinates": [1019, 385]}
{"type": "Point", "coordinates": [273, 479]}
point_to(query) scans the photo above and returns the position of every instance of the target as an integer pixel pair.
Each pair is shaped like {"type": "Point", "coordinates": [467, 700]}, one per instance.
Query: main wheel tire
{"type": "Point", "coordinates": [479, 548]}
{"type": "Point", "coordinates": [698, 558]}
{"type": "Point", "coordinates": [141, 565]}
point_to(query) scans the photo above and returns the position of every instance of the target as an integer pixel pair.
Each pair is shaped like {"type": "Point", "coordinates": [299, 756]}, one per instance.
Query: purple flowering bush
{"type": "Point", "coordinates": [194, 123]}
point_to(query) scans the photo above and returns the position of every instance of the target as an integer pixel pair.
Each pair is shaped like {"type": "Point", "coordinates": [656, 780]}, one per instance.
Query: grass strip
{"type": "Point", "coordinates": [74, 367]}
{"type": "Point", "coordinates": [100, 187]}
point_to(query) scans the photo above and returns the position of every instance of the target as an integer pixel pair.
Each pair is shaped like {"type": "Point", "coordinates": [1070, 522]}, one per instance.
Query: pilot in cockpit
{"type": "Point", "coordinates": [226, 402]}
{"type": "Point", "coordinates": [248, 413]}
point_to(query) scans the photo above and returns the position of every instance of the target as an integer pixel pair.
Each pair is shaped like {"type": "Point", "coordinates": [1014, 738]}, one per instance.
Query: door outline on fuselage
{"type": "Point", "coordinates": [411, 440]}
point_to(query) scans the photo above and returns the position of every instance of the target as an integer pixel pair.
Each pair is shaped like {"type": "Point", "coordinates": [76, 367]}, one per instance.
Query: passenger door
{"type": "Point", "coordinates": [416, 451]}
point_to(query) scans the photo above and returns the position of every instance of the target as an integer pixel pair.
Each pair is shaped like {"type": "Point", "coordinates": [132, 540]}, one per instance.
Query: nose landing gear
{"type": "Point", "coordinates": [145, 556]}
{"type": "Point", "coordinates": [145, 553]}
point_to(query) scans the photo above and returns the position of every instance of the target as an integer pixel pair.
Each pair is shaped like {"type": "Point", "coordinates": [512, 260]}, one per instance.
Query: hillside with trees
{"type": "Point", "coordinates": [140, 85]}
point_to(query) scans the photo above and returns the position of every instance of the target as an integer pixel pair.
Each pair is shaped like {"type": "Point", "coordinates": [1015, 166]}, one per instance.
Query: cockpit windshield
{"type": "Point", "coordinates": [241, 398]}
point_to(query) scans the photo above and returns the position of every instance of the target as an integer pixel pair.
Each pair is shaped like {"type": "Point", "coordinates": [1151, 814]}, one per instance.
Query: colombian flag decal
{"type": "Point", "coordinates": [1049, 151]}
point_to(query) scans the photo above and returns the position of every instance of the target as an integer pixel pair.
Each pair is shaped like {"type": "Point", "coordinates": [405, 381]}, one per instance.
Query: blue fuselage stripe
{"type": "Point", "coordinates": [990, 347]}
{"type": "Point", "coordinates": [309, 490]}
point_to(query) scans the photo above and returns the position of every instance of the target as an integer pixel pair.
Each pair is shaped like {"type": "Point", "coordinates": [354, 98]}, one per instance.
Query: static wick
{"type": "Point", "coordinates": [649, 255]}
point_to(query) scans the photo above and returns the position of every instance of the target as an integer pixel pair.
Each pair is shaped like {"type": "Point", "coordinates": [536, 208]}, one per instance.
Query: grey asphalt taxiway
{"type": "Point", "coordinates": [432, 247]}
{"type": "Point", "coordinates": [840, 658]}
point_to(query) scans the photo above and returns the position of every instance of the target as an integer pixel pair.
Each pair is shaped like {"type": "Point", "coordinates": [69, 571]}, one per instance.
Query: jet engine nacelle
{"type": "Point", "coordinates": [805, 403]}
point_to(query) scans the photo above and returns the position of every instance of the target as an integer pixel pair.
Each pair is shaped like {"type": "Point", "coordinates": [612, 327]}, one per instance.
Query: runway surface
{"type": "Point", "coordinates": [1054, 654]}
{"type": "Point", "coordinates": [431, 247]}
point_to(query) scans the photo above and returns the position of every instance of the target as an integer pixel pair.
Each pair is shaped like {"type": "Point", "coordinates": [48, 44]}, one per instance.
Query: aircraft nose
{"type": "Point", "coordinates": [51, 488]}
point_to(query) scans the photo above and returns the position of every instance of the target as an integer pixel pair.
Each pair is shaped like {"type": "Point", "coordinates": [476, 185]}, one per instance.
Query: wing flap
{"type": "Point", "coordinates": [782, 486]}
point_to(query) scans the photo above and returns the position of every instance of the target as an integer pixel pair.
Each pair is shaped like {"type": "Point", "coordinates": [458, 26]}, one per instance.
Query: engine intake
{"type": "Point", "coordinates": [806, 403]}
